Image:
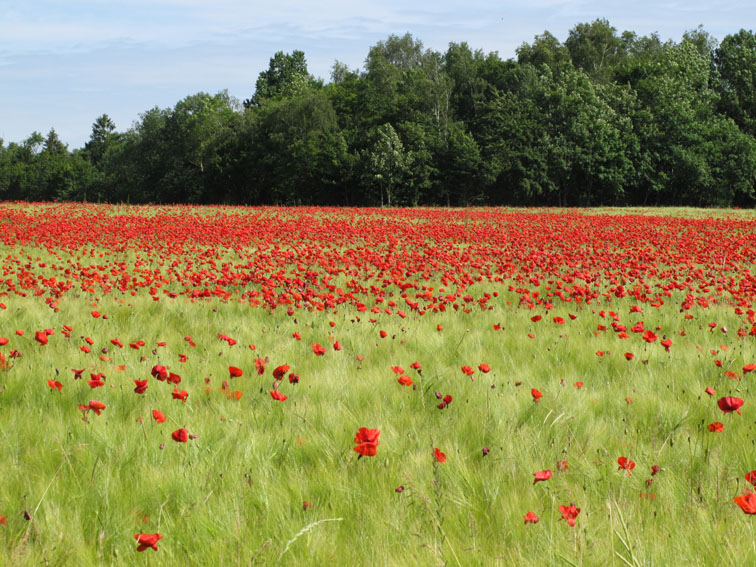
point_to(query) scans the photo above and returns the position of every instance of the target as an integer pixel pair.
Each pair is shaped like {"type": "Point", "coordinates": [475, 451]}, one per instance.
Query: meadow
{"type": "Point", "coordinates": [310, 386]}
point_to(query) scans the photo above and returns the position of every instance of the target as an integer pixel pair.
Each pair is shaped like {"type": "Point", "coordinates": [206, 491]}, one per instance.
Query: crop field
{"type": "Point", "coordinates": [407, 387]}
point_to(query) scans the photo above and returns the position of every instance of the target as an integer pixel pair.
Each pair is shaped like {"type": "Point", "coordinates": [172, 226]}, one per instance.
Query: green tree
{"type": "Point", "coordinates": [286, 73]}
{"type": "Point", "coordinates": [735, 64]}
{"type": "Point", "coordinates": [387, 163]}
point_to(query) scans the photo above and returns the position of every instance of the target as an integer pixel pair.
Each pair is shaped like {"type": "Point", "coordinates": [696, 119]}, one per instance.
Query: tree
{"type": "Point", "coordinates": [596, 49]}
{"type": "Point", "coordinates": [735, 68]}
{"type": "Point", "coordinates": [103, 133]}
{"type": "Point", "coordinates": [387, 163]}
{"type": "Point", "coordinates": [286, 74]}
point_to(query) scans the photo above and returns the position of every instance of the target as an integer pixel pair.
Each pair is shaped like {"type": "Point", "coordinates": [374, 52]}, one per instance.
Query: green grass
{"type": "Point", "coordinates": [235, 494]}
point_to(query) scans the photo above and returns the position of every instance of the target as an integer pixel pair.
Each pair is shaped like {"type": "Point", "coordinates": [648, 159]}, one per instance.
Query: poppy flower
{"type": "Point", "coordinates": [367, 442]}
{"type": "Point", "coordinates": [562, 466]}
{"type": "Point", "coordinates": [158, 416]}
{"type": "Point", "coordinates": [536, 394]}
{"type": "Point", "coordinates": [173, 378]}
{"type": "Point", "coordinates": [182, 395]}
{"type": "Point", "coordinates": [235, 372]}
{"type": "Point", "coordinates": [297, 336]}
{"type": "Point", "coordinates": [439, 456]}
{"type": "Point", "coordinates": [260, 366]}
{"type": "Point", "coordinates": [141, 386]}
{"type": "Point", "coordinates": [558, 320]}
{"type": "Point", "coordinates": [468, 370]}
{"type": "Point", "coordinates": [54, 384]}
{"type": "Point", "coordinates": [625, 464]}
{"type": "Point", "coordinates": [182, 357]}
{"type": "Point", "coordinates": [337, 346]}
{"type": "Point", "coordinates": [747, 502]}
{"type": "Point", "coordinates": [160, 372]}
{"type": "Point", "coordinates": [535, 318]}
{"type": "Point", "coordinates": [383, 334]}
{"type": "Point", "coordinates": [729, 404]}
{"type": "Point", "coordinates": [716, 427]}
{"type": "Point", "coordinates": [278, 396]}
{"type": "Point", "coordinates": [405, 380]}
{"type": "Point", "coordinates": [484, 368]}
{"type": "Point", "coordinates": [4, 520]}
{"type": "Point", "coordinates": [531, 518]}
{"type": "Point", "coordinates": [649, 336]}
{"type": "Point", "coordinates": [629, 356]}
{"type": "Point", "coordinates": [293, 378]}
{"type": "Point", "coordinates": [749, 368]}
{"type": "Point", "coordinates": [416, 366]}
{"type": "Point", "coordinates": [578, 385]}
{"type": "Point", "coordinates": [147, 541]}
{"type": "Point", "coordinates": [95, 382]}
{"type": "Point", "coordinates": [709, 390]}
{"type": "Point", "coordinates": [569, 513]}
{"type": "Point", "coordinates": [180, 435]}
{"type": "Point", "coordinates": [280, 371]}
{"type": "Point", "coordinates": [40, 337]}
{"type": "Point", "coordinates": [751, 477]}
{"type": "Point", "coordinates": [318, 350]}
{"type": "Point", "coordinates": [542, 476]}
{"type": "Point", "coordinates": [96, 406]}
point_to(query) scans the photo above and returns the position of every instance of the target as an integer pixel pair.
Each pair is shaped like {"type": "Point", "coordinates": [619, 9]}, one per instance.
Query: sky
{"type": "Point", "coordinates": [63, 64]}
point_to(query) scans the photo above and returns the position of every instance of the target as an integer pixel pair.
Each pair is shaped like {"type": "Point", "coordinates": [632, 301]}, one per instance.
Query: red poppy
{"type": "Point", "coordinates": [751, 477]}
{"type": "Point", "coordinates": [716, 427]}
{"type": "Point", "coordinates": [293, 378]}
{"type": "Point", "coordinates": [749, 368]}
{"type": "Point", "coordinates": [173, 378]}
{"type": "Point", "coordinates": [337, 345]}
{"type": "Point", "coordinates": [625, 464]}
{"type": "Point", "coordinates": [383, 334]}
{"type": "Point", "coordinates": [160, 372]}
{"type": "Point", "coordinates": [158, 416]}
{"type": "Point", "coordinates": [318, 350]}
{"type": "Point", "coordinates": [629, 356]}
{"type": "Point", "coordinates": [278, 396]}
{"type": "Point", "coordinates": [235, 372]}
{"type": "Point", "coordinates": [569, 513]}
{"type": "Point", "coordinates": [96, 406]}
{"type": "Point", "coordinates": [562, 466]}
{"type": "Point", "coordinates": [146, 541]}
{"type": "Point", "coordinates": [468, 370]}
{"type": "Point", "coordinates": [649, 336]}
{"type": "Point", "coordinates": [729, 404]}
{"type": "Point", "coordinates": [709, 390]}
{"type": "Point", "coordinates": [439, 456]}
{"type": "Point", "coordinates": [280, 371]}
{"type": "Point", "coordinates": [578, 385]}
{"type": "Point", "coordinates": [260, 366]}
{"type": "Point", "coordinates": [558, 320]}
{"type": "Point", "coordinates": [40, 337]}
{"type": "Point", "coordinates": [367, 442]}
{"type": "Point", "coordinates": [531, 518]}
{"type": "Point", "coordinates": [535, 318]}
{"type": "Point", "coordinates": [141, 386]}
{"type": "Point", "coordinates": [54, 384]}
{"type": "Point", "coordinates": [182, 357]}
{"type": "Point", "coordinates": [542, 476]}
{"type": "Point", "coordinates": [747, 502]}
{"type": "Point", "coordinates": [654, 470]}
{"type": "Point", "coordinates": [180, 435]}
{"type": "Point", "coordinates": [182, 395]}
{"type": "Point", "coordinates": [405, 380]}
{"type": "Point", "coordinates": [484, 368]}
{"type": "Point", "coordinates": [536, 394]}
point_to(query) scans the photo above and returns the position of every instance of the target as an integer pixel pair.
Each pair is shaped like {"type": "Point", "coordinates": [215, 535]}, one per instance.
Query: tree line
{"type": "Point", "coordinates": [603, 118]}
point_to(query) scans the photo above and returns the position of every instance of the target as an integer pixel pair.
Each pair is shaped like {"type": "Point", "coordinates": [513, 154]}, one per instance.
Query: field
{"type": "Point", "coordinates": [536, 387]}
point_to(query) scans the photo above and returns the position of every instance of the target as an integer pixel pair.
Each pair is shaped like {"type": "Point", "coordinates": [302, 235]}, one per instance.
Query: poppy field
{"type": "Point", "coordinates": [289, 386]}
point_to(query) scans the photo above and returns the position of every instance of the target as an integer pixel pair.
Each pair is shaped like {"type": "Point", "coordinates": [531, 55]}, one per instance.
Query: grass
{"type": "Point", "coordinates": [236, 494]}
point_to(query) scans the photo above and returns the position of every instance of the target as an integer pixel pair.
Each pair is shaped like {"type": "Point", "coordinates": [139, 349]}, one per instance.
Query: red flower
{"type": "Point", "coordinates": [146, 541]}
{"type": "Point", "coordinates": [235, 372]}
{"type": "Point", "coordinates": [367, 442]}
{"type": "Point", "coordinates": [649, 336]}
{"type": "Point", "coordinates": [749, 368]}
{"type": "Point", "coordinates": [629, 356]}
{"type": "Point", "coordinates": [484, 368]}
{"type": "Point", "coordinates": [405, 380]}
{"type": "Point", "coordinates": [562, 466]}
{"type": "Point", "coordinates": [709, 390]}
{"type": "Point", "coordinates": [158, 416]}
{"type": "Point", "coordinates": [383, 334]}
{"type": "Point", "coordinates": [278, 396]}
{"type": "Point", "coordinates": [654, 470]}
{"type": "Point", "coordinates": [716, 427]}
{"type": "Point", "coordinates": [141, 386]}
{"type": "Point", "coordinates": [578, 385]}
{"type": "Point", "coordinates": [531, 518]}
{"type": "Point", "coordinates": [280, 371]}
{"type": "Point", "coordinates": [260, 366]}
{"type": "Point", "coordinates": [439, 456]}
{"type": "Point", "coordinates": [729, 404]}
{"type": "Point", "coordinates": [293, 378]}
{"type": "Point", "coordinates": [54, 384]}
{"type": "Point", "coordinates": [542, 476]}
{"type": "Point", "coordinates": [182, 395]}
{"type": "Point", "coordinates": [96, 406]}
{"type": "Point", "coordinates": [558, 320]}
{"type": "Point", "coordinates": [40, 337]}
{"type": "Point", "coordinates": [160, 372]}
{"type": "Point", "coordinates": [468, 370]}
{"type": "Point", "coordinates": [180, 435]}
{"type": "Point", "coordinates": [751, 477]}
{"type": "Point", "coordinates": [747, 502]}
{"type": "Point", "coordinates": [569, 513]}
{"type": "Point", "coordinates": [626, 464]}
{"type": "Point", "coordinates": [318, 350]}
{"type": "Point", "coordinates": [536, 394]}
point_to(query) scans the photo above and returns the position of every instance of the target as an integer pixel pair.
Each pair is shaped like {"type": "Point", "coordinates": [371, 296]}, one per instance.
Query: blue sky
{"type": "Point", "coordinates": [62, 64]}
